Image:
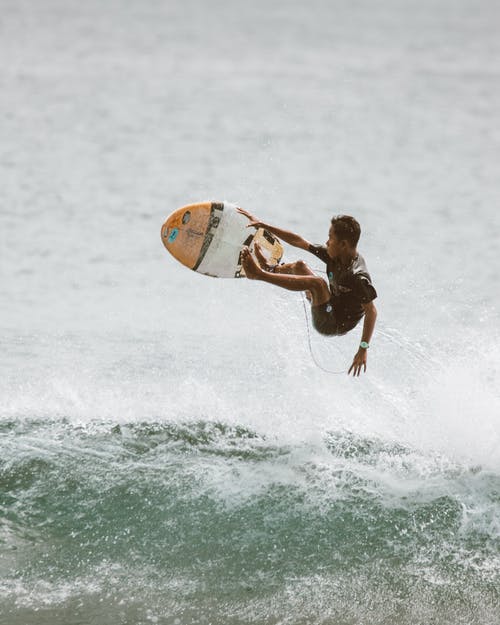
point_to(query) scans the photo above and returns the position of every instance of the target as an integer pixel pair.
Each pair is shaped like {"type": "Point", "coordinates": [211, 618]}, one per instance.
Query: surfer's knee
{"type": "Point", "coordinates": [301, 267]}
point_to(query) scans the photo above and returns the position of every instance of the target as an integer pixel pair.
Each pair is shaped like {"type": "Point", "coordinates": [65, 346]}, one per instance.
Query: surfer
{"type": "Point", "coordinates": [336, 307]}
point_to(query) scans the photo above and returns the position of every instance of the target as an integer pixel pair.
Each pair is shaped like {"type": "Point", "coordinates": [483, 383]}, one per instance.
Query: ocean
{"type": "Point", "coordinates": [177, 449]}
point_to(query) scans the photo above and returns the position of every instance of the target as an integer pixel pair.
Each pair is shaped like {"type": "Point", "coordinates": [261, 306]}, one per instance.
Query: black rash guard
{"type": "Point", "coordinates": [350, 287]}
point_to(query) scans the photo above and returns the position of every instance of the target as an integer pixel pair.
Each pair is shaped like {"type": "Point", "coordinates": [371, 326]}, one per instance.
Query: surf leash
{"type": "Point", "coordinates": [309, 342]}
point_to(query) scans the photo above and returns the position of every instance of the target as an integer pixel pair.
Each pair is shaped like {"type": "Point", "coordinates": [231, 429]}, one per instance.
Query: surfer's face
{"type": "Point", "coordinates": [334, 247]}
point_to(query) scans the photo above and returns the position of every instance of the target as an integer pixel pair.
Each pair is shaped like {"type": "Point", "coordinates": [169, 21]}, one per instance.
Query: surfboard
{"type": "Point", "coordinates": [209, 237]}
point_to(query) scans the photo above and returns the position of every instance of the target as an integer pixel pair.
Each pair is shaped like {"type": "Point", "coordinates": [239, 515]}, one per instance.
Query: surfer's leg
{"type": "Point", "coordinates": [317, 287]}
{"type": "Point", "coordinates": [298, 267]}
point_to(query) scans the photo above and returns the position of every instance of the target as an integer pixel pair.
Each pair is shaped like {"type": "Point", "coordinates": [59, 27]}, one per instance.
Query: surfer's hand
{"type": "Point", "coordinates": [254, 222]}
{"type": "Point", "coordinates": [358, 362]}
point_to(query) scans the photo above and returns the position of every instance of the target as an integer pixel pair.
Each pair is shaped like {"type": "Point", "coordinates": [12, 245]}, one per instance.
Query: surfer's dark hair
{"type": "Point", "coordinates": [346, 228]}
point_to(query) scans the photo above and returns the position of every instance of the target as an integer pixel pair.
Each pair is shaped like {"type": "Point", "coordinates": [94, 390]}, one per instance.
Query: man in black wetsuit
{"type": "Point", "coordinates": [337, 307]}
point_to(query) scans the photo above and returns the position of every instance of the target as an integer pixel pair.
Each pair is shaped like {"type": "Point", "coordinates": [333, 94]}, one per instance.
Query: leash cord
{"type": "Point", "coordinates": [309, 342]}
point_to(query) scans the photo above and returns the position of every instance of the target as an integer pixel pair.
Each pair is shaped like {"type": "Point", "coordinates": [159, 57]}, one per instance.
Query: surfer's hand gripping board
{"type": "Point", "coordinates": [209, 237]}
{"type": "Point", "coordinates": [252, 221]}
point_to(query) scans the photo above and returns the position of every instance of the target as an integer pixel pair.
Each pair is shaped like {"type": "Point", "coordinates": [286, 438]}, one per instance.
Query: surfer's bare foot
{"type": "Point", "coordinates": [261, 259]}
{"type": "Point", "coordinates": [252, 270]}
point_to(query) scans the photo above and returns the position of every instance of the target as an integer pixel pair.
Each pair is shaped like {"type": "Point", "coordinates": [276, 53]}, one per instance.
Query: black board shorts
{"type": "Point", "coordinates": [325, 321]}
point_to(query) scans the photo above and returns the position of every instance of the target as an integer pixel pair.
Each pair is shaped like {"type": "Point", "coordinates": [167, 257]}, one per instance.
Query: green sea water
{"type": "Point", "coordinates": [204, 522]}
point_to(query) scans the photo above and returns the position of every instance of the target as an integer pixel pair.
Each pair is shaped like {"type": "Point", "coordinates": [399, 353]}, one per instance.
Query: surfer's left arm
{"type": "Point", "coordinates": [361, 355]}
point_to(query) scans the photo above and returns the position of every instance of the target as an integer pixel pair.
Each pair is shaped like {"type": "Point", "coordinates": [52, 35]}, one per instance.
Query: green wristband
{"type": "Point", "coordinates": [364, 345]}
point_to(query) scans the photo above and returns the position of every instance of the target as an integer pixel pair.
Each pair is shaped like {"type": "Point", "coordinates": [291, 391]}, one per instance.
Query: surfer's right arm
{"type": "Point", "coordinates": [285, 235]}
